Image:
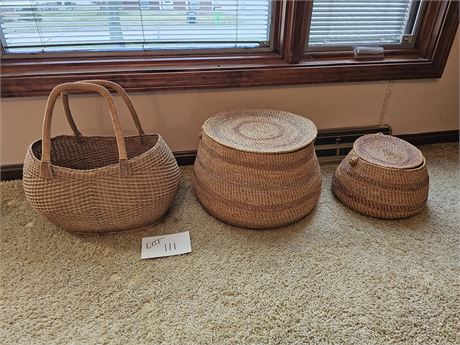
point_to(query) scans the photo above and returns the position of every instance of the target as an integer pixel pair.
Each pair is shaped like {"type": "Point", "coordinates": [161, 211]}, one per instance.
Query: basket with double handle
{"type": "Point", "coordinates": [99, 184]}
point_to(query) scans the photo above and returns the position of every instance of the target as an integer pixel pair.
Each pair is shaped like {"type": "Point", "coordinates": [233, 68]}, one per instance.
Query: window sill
{"type": "Point", "coordinates": [33, 78]}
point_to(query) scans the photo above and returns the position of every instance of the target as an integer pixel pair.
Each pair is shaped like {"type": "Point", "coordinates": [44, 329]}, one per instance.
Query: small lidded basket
{"type": "Point", "coordinates": [257, 168]}
{"type": "Point", "coordinates": [382, 176]}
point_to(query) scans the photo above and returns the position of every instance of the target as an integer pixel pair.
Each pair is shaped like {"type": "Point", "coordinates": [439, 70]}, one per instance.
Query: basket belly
{"type": "Point", "coordinates": [103, 201]}
{"type": "Point", "coordinates": [90, 208]}
{"type": "Point", "coordinates": [253, 190]}
{"type": "Point", "coordinates": [380, 192]}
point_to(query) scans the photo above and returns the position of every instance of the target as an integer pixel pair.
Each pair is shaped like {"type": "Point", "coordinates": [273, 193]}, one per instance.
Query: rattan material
{"type": "Point", "coordinates": [261, 130]}
{"type": "Point", "coordinates": [397, 187]}
{"type": "Point", "coordinates": [388, 151]}
{"type": "Point", "coordinates": [99, 184]}
{"type": "Point", "coordinates": [262, 189]}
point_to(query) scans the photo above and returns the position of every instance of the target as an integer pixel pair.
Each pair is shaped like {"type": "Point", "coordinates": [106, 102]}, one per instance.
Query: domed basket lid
{"type": "Point", "coordinates": [388, 151]}
{"type": "Point", "coordinates": [261, 130]}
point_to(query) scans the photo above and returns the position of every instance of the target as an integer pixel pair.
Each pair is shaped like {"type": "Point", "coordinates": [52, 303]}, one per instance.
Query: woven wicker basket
{"type": "Point", "coordinates": [382, 176]}
{"type": "Point", "coordinates": [257, 168]}
{"type": "Point", "coordinates": [99, 184]}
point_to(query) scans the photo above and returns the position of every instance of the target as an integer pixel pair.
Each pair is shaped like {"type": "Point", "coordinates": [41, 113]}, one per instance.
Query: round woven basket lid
{"type": "Point", "coordinates": [388, 151]}
{"type": "Point", "coordinates": [261, 130]}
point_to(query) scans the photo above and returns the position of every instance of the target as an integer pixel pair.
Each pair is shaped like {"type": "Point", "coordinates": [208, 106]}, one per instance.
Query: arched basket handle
{"type": "Point", "coordinates": [109, 85]}
{"type": "Point", "coordinates": [46, 170]}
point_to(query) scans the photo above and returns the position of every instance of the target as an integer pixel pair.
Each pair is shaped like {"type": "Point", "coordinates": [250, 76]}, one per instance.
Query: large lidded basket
{"type": "Point", "coordinates": [382, 176]}
{"type": "Point", "coordinates": [99, 184]}
{"type": "Point", "coordinates": [257, 168]}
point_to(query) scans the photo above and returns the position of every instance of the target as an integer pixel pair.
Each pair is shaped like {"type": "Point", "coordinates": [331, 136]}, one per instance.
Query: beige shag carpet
{"type": "Point", "coordinates": [336, 277]}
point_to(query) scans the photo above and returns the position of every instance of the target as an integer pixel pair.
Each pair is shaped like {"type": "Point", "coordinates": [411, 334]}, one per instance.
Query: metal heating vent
{"type": "Point", "coordinates": [334, 144]}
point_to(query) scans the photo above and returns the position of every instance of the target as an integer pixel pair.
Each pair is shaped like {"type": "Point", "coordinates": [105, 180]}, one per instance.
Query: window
{"type": "Point", "coordinates": [132, 25]}
{"type": "Point", "coordinates": [362, 22]}
{"type": "Point", "coordinates": [181, 44]}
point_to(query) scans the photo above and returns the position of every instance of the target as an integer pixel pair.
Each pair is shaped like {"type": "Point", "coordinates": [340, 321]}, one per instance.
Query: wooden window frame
{"type": "Point", "coordinates": [286, 64]}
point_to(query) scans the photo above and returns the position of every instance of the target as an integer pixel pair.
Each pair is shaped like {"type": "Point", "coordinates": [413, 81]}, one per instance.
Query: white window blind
{"type": "Point", "coordinates": [62, 26]}
{"type": "Point", "coordinates": [361, 22]}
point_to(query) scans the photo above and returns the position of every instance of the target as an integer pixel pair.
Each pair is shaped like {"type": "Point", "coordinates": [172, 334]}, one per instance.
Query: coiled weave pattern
{"type": "Point", "coordinates": [382, 190]}
{"type": "Point", "coordinates": [257, 190]}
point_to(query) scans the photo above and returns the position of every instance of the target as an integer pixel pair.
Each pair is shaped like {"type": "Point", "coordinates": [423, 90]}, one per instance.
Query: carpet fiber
{"type": "Point", "coordinates": [335, 277]}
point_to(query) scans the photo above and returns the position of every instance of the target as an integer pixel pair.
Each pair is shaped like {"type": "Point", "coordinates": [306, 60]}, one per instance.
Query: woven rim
{"type": "Point", "coordinates": [110, 167]}
{"type": "Point", "coordinates": [261, 130]}
{"type": "Point", "coordinates": [388, 151]}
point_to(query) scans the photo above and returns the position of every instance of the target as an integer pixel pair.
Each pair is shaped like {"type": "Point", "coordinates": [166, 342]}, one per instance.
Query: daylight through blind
{"type": "Point", "coordinates": [352, 22]}
{"type": "Point", "coordinates": [59, 26]}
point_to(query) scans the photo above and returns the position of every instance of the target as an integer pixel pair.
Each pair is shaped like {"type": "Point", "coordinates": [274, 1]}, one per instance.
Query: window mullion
{"type": "Point", "coordinates": [432, 22]}
{"type": "Point", "coordinates": [277, 25]}
{"type": "Point", "coordinates": [297, 18]}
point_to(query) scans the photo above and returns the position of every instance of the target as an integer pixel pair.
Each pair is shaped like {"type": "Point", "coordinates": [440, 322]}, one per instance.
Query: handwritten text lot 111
{"type": "Point", "coordinates": [166, 245]}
